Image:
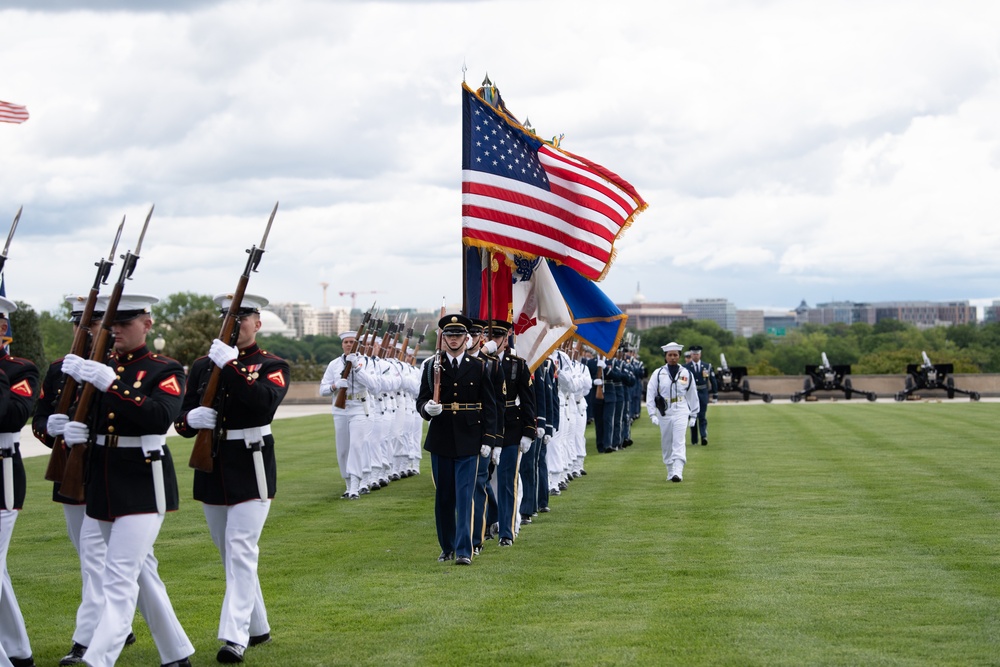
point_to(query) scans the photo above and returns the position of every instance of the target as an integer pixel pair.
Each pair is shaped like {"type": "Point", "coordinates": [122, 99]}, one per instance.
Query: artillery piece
{"type": "Point", "coordinates": [932, 376]}
{"type": "Point", "coordinates": [829, 378]}
{"type": "Point", "coordinates": [733, 379]}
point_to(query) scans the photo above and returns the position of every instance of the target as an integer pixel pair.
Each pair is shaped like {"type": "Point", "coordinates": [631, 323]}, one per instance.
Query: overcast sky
{"type": "Point", "coordinates": [788, 150]}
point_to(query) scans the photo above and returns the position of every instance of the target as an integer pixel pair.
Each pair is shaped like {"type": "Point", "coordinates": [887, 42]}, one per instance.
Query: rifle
{"type": "Point", "coordinates": [341, 400]}
{"type": "Point", "coordinates": [10, 235]}
{"type": "Point", "coordinates": [81, 339]}
{"type": "Point", "coordinates": [72, 479]}
{"type": "Point", "coordinates": [201, 452]}
{"type": "Point", "coordinates": [416, 347]}
{"type": "Point", "coordinates": [437, 359]}
{"type": "Point", "coordinates": [406, 343]}
{"type": "Point", "coordinates": [599, 392]}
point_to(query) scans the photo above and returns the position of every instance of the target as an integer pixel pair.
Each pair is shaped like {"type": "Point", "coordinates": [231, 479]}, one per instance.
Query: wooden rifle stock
{"type": "Point", "coordinates": [73, 476]}
{"type": "Point", "coordinates": [341, 400]}
{"type": "Point", "coordinates": [59, 456]}
{"type": "Point", "coordinates": [201, 452]}
{"type": "Point", "coordinates": [437, 358]}
{"type": "Point", "coordinates": [599, 392]}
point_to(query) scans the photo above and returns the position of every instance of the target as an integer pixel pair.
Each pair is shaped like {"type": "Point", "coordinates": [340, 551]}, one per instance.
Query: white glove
{"type": "Point", "coordinates": [655, 420]}
{"type": "Point", "coordinates": [525, 444]}
{"type": "Point", "coordinates": [76, 433]}
{"type": "Point", "coordinates": [601, 363]}
{"type": "Point", "coordinates": [496, 456]}
{"type": "Point", "coordinates": [202, 417]}
{"type": "Point", "coordinates": [432, 408]}
{"type": "Point", "coordinates": [692, 421]}
{"type": "Point", "coordinates": [56, 424]}
{"type": "Point", "coordinates": [353, 358]}
{"type": "Point", "coordinates": [598, 382]}
{"type": "Point", "coordinates": [98, 374]}
{"type": "Point", "coordinates": [490, 346]}
{"type": "Point", "coordinates": [221, 354]}
{"type": "Point", "coordinates": [71, 366]}
{"type": "Point", "coordinates": [342, 383]}
{"type": "Point", "coordinates": [484, 451]}
{"type": "Point", "coordinates": [546, 438]}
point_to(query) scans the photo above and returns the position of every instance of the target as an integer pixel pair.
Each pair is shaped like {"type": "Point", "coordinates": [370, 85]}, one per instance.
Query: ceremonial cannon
{"type": "Point", "coordinates": [826, 377]}
{"type": "Point", "coordinates": [932, 376]}
{"type": "Point", "coordinates": [733, 379]}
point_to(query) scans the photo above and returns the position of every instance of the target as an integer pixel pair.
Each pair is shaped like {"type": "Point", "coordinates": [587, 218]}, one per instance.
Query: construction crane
{"type": "Point", "coordinates": [354, 296]}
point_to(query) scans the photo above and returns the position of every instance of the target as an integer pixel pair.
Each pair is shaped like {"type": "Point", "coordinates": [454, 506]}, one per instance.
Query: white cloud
{"type": "Point", "coordinates": [787, 151]}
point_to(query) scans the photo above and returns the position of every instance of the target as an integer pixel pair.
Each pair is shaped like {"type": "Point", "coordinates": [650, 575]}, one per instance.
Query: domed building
{"type": "Point", "coordinates": [272, 325]}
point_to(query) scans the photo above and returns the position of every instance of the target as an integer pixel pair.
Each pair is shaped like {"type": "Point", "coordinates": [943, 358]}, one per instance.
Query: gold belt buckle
{"type": "Point", "coordinates": [454, 407]}
{"type": "Point", "coordinates": [111, 440]}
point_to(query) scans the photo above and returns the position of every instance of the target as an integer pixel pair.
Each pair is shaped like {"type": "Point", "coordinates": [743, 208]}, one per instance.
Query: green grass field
{"type": "Point", "coordinates": [812, 534]}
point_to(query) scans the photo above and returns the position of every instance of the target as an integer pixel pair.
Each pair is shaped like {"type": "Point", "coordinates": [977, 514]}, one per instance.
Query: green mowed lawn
{"type": "Point", "coordinates": [829, 533]}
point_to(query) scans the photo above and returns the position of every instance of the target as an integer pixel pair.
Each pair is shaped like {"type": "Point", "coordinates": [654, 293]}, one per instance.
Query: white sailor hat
{"type": "Point", "coordinates": [6, 306]}
{"type": "Point", "coordinates": [251, 303]}
{"type": "Point", "coordinates": [130, 306]}
{"type": "Point", "coordinates": [672, 346]}
{"type": "Point", "coordinates": [348, 334]}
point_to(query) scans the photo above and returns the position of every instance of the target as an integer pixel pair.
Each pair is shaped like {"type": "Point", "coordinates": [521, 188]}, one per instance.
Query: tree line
{"type": "Point", "coordinates": [188, 322]}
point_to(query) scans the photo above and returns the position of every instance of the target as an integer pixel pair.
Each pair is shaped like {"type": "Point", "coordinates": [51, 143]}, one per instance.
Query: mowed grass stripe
{"type": "Point", "coordinates": [822, 533]}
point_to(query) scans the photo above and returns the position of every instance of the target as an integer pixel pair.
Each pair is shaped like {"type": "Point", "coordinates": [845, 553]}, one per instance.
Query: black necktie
{"type": "Point", "coordinates": [454, 364]}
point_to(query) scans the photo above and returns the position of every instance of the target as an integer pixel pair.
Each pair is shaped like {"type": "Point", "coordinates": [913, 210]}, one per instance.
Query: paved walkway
{"type": "Point", "coordinates": [31, 447]}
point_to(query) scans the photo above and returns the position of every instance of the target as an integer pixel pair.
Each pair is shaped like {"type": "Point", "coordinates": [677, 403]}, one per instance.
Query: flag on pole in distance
{"type": "Point", "coordinates": [529, 197]}
{"type": "Point", "coordinates": [12, 113]}
{"type": "Point", "coordinates": [541, 319]}
{"type": "Point", "coordinates": [599, 322]}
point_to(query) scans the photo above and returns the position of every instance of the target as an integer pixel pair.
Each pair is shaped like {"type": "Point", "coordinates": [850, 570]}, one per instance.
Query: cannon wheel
{"type": "Point", "coordinates": [900, 396]}
{"type": "Point", "coordinates": [848, 389]}
{"type": "Point", "coordinates": [768, 398]}
{"type": "Point", "coordinates": [950, 388]}
{"type": "Point", "coordinates": [974, 395]}
{"type": "Point", "coordinates": [796, 398]}
{"type": "Point", "coordinates": [871, 396]}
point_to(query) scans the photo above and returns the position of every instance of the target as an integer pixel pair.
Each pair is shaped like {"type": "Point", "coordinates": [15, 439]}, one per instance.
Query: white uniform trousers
{"type": "Point", "coordinates": [673, 444]}
{"type": "Point", "coordinates": [235, 530]}
{"type": "Point", "coordinates": [129, 566]}
{"type": "Point", "coordinates": [85, 534]}
{"type": "Point", "coordinates": [13, 635]}
{"type": "Point", "coordinates": [351, 427]}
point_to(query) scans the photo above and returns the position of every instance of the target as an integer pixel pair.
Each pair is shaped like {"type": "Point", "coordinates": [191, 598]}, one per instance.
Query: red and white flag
{"type": "Point", "coordinates": [12, 113]}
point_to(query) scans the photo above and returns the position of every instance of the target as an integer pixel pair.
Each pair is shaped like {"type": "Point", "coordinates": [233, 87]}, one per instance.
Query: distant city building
{"type": "Point", "coordinates": [643, 315]}
{"type": "Point", "coordinates": [749, 322]}
{"type": "Point", "coordinates": [922, 314]}
{"type": "Point", "coordinates": [272, 325]}
{"type": "Point", "coordinates": [720, 311]}
{"type": "Point", "coordinates": [991, 313]}
{"type": "Point", "coordinates": [333, 321]}
{"type": "Point", "coordinates": [299, 316]}
{"type": "Point", "coordinates": [780, 324]}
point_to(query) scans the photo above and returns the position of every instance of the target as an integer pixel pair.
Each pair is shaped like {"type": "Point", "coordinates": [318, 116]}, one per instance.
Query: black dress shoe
{"type": "Point", "coordinates": [74, 657]}
{"type": "Point", "coordinates": [22, 662]}
{"type": "Point", "coordinates": [506, 541]}
{"type": "Point", "coordinates": [183, 662]}
{"type": "Point", "coordinates": [463, 560]}
{"type": "Point", "coordinates": [257, 640]}
{"type": "Point", "coordinates": [476, 550]}
{"type": "Point", "coordinates": [675, 478]}
{"type": "Point", "coordinates": [525, 519]}
{"type": "Point", "coordinates": [582, 471]}
{"type": "Point", "coordinates": [130, 639]}
{"type": "Point", "coordinates": [230, 653]}
{"type": "Point", "coordinates": [704, 442]}
{"type": "Point", "coordinates": [544, 509]}
{"type": "Point", "coordinates": [446, 556]}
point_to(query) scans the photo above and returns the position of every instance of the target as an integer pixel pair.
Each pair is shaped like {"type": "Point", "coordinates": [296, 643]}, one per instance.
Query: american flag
{"type": "Point", "coordinates": [523, 195]}
{"type": "Point", "coordinates": [12, 113]}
